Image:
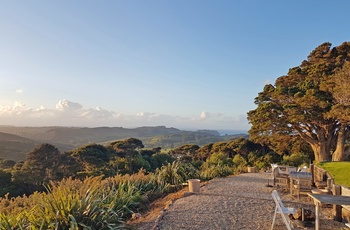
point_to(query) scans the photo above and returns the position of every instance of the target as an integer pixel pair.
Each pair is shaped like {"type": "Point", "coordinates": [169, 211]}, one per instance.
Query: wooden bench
{"type": "Point", "coordinates": [300, 182]}
{"type": "Point", "coordinates": [280, 175]}
{"type": "Point", "coordinates": [284, 211]}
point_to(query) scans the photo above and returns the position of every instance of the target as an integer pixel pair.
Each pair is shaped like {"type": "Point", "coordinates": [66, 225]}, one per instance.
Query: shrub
{"type": "Point", "coordinates": [217, 165]}
{"type": "Point", "coordinates": [209, 172]}
{"type": "Point", "coordinates": [74, 204]}
{"type": "Point", "coordinates": [295, 159]}
{"type": "Point", "coordinates": [170, 174]}
{"type": "Point", "coordinates": [239, 164]}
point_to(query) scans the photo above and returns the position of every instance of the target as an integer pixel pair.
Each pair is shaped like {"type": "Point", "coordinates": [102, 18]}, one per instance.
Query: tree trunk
{"type": "Point", "coordinates": [321, 151]}
{"type": "Point", "coordinates": [321, 145]}
{"type": "Point", "coordinates": [338, 154]}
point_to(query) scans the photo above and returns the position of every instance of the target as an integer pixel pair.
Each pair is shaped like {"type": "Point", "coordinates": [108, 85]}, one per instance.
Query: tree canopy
{"type": "Point", "coordinates": [305, 103]}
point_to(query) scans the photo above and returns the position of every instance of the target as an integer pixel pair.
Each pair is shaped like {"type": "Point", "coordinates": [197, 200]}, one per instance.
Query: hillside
{"type": "Point", "coordinates": [16, 141]}
{"type": "Point", "coordinates": [14, 147]}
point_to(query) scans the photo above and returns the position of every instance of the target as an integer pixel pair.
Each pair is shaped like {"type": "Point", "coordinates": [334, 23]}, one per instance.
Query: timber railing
{"type": "Point", "coordinates": [322, 177]}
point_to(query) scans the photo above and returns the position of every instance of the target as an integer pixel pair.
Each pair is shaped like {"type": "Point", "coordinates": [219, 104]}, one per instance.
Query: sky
{"type": "Point", "coordinates": [188, 64]}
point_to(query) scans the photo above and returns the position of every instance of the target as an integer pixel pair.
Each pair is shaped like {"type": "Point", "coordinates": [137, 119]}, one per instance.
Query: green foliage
{"type": "Point", "coordinates": [188, 149]}
{"type": "Point", "coordinates": [128, 149]}
{"type": "Point", "coordinates": [73, 204]}
{"type": "Point", "coordinates": [159, 159]}
{"type": "Point", "coordinates": [7, 164]}
{"type": "Point", "coordinates": [41, 166]}
{"type": "Point", "coordinates": [295, 159]}
{"type": "Point", "coordinates": [260, 161]}
{"type": "Point", "coordinates": [240, 164]}
{"type": "Point", "coordinates": [109, 183]}
{"type": "Point", "coordinates": [176, 173]}
{"type": "Point", "coordinates": [302, 103]}
{"type": "Point", "coordinates": [92, 159]}
{"type": "Point", "coordinates": [5, 182]}
{"type": "Point", "coordinates": [217, 165]}
{"type": "Point", "coordinates": [219, 159]}
{"type": "Point", "coordinates": [138, 162]}
{"type": "Point", "coordinates": [209, 172]}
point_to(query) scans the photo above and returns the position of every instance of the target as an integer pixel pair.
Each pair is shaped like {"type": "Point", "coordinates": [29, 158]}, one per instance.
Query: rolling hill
{"type": "Point", "coordinates": [15, 142]}
{"type": "Point", "coordinates": [14, 147]}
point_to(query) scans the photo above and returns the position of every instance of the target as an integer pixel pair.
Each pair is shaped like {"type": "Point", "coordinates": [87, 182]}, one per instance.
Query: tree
{"type": "Point", "coordinates": [204, 151]}
{"type": "Point", "coordinates": [186, 153]}
{"type": "Point", "coordinates": [128, 148]}
{"type": "Point", "coordinates": [39, 168]}
{"type": "Point", "coordinates": [5, 182]}
{"type": "Point", "coordinates": [6, 164]}
{"type": "Point", "coordinates": [339, 86]}
{"type": "Point", "coordinates": [299, 103]}
{"type": "Point", "coordinates": [92, 159]}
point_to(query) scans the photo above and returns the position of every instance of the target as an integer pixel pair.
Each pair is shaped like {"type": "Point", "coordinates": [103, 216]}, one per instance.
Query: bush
{"type": "Point", "coordinates": [239, 164]}
{"type": "Point", "coordinates": [295, 159]}
{"type": "Point", "coordinates": [74, 204]}
{"type": "Point", "coordinates": [209, 172]}
{"type": "Point", "coordinates": [176, 174]}
{"type": "Point", "coordinates": [217, 165]}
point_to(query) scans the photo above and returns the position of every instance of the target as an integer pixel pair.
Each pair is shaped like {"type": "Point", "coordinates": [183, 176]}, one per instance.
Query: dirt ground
{"type": "Point", "coordinates": [148, 219]}
{"type": "Point", "coordinates": [235, 202]}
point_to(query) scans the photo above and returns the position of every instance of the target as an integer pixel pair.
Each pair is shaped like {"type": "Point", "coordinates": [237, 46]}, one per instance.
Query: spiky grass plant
{"type": "Point", "coordinates": [93, 203]}
{"type": "Point", "coordinates": [170, 174]}
{"type": "Point", "coordinates": [73, 204]}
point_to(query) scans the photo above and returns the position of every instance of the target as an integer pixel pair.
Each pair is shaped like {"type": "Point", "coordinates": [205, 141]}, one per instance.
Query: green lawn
{"type": "Point", "coordinates": [340, 171]}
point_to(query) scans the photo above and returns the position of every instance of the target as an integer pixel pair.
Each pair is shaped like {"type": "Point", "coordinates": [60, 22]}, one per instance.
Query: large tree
{"type": "Point", "coordinates": [40, 166]}
{"type": "Point", "coordinates": [339, 86]}
{"type": "Point", "coordinates": [302, 103]}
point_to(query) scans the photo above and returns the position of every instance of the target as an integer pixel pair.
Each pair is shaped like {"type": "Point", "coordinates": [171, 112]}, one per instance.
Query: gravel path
{"type": "Point", "coordinates": [236, 202]}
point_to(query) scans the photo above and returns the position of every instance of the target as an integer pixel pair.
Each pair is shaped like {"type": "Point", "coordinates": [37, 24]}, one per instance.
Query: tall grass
{"type": "Point", "coordinates": [96, 203]}
{"type": "Point", "coordinates": [71, 204]}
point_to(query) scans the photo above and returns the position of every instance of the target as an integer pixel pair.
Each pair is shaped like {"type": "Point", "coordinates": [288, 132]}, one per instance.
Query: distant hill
{"type": "Point", "coordinates": [14, 147]}
{"type": "Point", "coordinates": [16, 141]}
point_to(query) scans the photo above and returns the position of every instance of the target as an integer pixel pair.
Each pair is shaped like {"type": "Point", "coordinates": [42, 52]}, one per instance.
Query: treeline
{"type": "Point", "coordinates": [100, 186]}
{"type": "Point", "coordinates": [46, 163]}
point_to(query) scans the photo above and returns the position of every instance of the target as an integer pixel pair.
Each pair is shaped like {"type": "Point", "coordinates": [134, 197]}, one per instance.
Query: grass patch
{"type": "Point", "coordinates": [340, 171]}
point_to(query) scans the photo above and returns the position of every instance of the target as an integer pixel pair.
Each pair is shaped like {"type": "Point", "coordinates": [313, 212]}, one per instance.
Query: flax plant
{"type": "Point", "coordinates": [93, 203]}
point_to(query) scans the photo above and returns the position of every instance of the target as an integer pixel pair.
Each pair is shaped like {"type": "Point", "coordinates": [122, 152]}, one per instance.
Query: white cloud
{"type": "Point", "coordinates": [207, 115]}
{"type": "Point", "coordinates": [97, 113]}
{"type": "Point", "coordinates": [68, 113]}
{"type": "Point", "coordinates": [41, 108]}
{"type": "Point", "coordinates": [204, 115]}
{"type": "Point", "coordinates": [17, 109]}
{"type": "Point", "coordinates": [65, 105]}
{"type": "Point", "coordinates": [19, 91]}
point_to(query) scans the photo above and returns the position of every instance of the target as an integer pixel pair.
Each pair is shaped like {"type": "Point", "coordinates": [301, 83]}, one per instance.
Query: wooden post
{"type": "Point", "coordinates": [329, 183]}
{"type": "Point", "coordinates": [302, 214]}
{"type": "Point", "coordinates": [336, 190]}
{"type": "Point", "coordinates": [317, 218]}
{"type": "Point", "coordinates": [312, 169]}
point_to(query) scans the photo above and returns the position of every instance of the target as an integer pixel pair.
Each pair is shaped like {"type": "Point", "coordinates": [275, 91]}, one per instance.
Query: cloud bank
{"type": "Point", "coordinates": [68, 113]}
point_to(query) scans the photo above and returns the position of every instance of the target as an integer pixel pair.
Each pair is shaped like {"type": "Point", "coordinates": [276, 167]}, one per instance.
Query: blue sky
{"type": "Point", "coordinates": [187, 64]}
